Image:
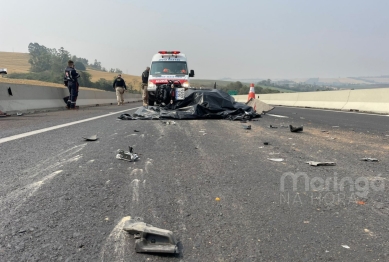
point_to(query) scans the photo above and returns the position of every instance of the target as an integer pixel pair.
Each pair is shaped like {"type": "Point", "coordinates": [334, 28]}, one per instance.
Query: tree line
{"type": "Point", "coordinates": [48, 65]}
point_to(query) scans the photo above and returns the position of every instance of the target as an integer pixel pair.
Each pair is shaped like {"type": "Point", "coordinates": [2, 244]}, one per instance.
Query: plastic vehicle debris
{"type": "Point", "coordinates": [150, 239]}
{"type": "Point", "coordinates": [276, 159]}
{"type": "Point", "coordinates": [259, 106]}
{"type": "Point", "coordinates": [136, 131]}
{"type": "Point", "coordinates": [266, 143]}
{"type": "Point", "coordinates": [346, 246]}
{"type": "Point", "coordinates": [313, 163]}
{"type": "Point", "coordinates": [127, 155]}
{"type": "Point", "coordinates": [247, 127]}
{"type": "Point", "coordinates": [91, 138]}
{"type": "Point", "coordinates": [368, 159]}
{"type": "Point", "coordinates": [273, 126]}
{"type": "Point", "coordinates": [295, 129]}
{"type": "Point", "coordinates": [19, 114]}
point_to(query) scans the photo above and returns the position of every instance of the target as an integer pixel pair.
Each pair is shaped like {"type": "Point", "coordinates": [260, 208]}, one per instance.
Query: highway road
{"type": "Point", "coordinates": [64, 199]}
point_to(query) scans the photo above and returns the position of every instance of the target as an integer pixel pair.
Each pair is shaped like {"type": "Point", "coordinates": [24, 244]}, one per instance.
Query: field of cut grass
{"type": "Point", "coordinates": [135, 81]}
{"type": "Point", "coordinates": [18, 63]}
{"type": "Point", "coordinates": [15, 62]}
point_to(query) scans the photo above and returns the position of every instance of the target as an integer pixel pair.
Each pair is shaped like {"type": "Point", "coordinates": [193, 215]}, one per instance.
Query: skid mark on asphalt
{"type": "Point", "coordinates": [114, 248]}
{"type": "Point", "coordinates": [135, 190]}
{"type": "Point", "coordinates": [11, 202]}
{"type": "Point", "coordinates": [47, 164]}
{"type": "Point", "coordinates": [148, 164]}
{"type": "Point", "coordinates": [137, 172]}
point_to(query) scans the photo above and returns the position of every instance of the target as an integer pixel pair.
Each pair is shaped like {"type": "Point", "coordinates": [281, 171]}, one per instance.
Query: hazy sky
{"type": "Point", "coordinates": [236, 39]}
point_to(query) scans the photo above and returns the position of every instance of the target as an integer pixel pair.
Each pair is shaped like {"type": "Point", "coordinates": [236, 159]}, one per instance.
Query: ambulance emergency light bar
{"type": "Point", "coordinates": [169, 52]}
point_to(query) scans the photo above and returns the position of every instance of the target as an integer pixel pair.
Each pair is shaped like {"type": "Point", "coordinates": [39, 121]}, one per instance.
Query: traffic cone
{"type": "Point", "coordinates": [251, 92]}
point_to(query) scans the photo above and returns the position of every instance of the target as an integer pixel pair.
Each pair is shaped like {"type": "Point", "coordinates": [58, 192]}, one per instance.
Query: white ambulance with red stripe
{"type": "Point", "coordinates": [168, 66]}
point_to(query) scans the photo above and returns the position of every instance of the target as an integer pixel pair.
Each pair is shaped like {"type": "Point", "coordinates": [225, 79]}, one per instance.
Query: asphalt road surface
{"type": "Point", "coordinates": [64, 199]}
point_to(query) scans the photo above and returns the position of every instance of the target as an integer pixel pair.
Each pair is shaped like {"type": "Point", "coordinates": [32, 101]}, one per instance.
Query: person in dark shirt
{"type": "Point", "coordinates": [71, 81]}
{"type": "Point", "coordinates": [145, 81]}
{"type": "Point", "coordinates": [119, 85]}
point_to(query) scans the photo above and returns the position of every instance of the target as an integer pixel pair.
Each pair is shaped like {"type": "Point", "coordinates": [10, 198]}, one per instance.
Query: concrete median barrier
{"type": "Point", "coordinates": [29, 97]}
{"type": "Point", "coordinates": [365, 100]}
{"type": "Point", "coordinates": [323, 99]}
{"type": "Point", "coordinates": [372, 100]}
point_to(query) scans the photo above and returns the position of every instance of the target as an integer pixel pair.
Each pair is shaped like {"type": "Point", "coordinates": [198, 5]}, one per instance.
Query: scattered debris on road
{"type": "Point", "coordinates": [150, 239]}
{"type": "Point", "coordinates": [217, 199]}
{"type": "Point", "coordinates": [202, 104]}
{"type": "Point", "coordinates": [295, 129]}
{"type": "Point", "coordinates": [276, 159]}
{"type": "Point", "coordinates": [369, 159]}
{"type": "Point", "coordinates": [360, 202]}
{"type": "Point", "coordinates": [346, 246]}
{"type": "Point", "coordinates": [247, 127]}
{"type": "Point", "coordinates": [273, 126]}
{"type": "Point", "coordinates": [91, 138]}
{"type": "Point", "coordinates": [19, 114]}
{"type": "Point", "coordinates": [313, 163]}
{"type": "Point", "coordinates": [136, 131]}
{"type": "Point", "coordinates": [266, 143]}
{"type": "Point", "coordinates": [127, 155]}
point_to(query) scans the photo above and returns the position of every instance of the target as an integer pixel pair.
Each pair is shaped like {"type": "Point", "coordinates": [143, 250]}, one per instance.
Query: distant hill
{"type": "Point", "coordinates": [18, 63]}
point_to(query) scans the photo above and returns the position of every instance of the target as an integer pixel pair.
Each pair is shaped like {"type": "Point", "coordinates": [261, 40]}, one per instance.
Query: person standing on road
{"type": "Point", "coordinates": [71, 81]}
{"type": "Point", "coordinates": [145, 81]}
{"type": "Point", "coordinates": [119, 85]}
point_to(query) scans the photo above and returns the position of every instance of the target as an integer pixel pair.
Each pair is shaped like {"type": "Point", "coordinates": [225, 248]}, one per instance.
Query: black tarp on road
{"type": "Point", "coordinates": [199, 104]}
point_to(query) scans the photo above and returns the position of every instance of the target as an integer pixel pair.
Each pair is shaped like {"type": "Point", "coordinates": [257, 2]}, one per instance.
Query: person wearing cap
{"type": "Point", "coordinates": [145, 81]}
{"type": "Point", "coordinates": [119, 85]}
{"type": "Point", "coordinates": [71, 81]}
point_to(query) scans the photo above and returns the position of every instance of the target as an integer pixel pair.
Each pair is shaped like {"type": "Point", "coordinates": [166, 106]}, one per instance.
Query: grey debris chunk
{"type": "Point", "coordinates": [247, 127]}
{"type": "Point", "coordinates": [295, 129]}
{"type": "Point", "coordinates": [150, 239]}
{"type": "Point", "coordinates": [369, 159]}
{"type": "Point", "coordinates": [313, 163]}
{"type": "Point", "coordinates": [127, 155]}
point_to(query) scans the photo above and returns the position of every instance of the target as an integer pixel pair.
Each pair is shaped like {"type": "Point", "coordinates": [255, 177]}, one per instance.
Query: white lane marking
{"type": "Point", "coordinates": [277, 116]}
{"type": "Point", "coordinates": [336, 111]}
{"type": "Point", "coordinates": [10, 138]}
{"type": "Point", "coordinates": [135, 190]}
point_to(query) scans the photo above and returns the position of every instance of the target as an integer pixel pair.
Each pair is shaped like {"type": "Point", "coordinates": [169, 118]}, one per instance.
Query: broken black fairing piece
{"type": "Point", "coordinates": [150, 239]}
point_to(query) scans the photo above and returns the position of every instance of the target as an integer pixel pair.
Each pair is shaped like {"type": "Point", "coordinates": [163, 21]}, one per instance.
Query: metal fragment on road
{"type": "Point", "coordinates": [150, 239]}
{"type": "Point", "coordinates": [313, 163]}
{"type": "Point", "coordinates": [127, 155]}
{"type": "Point", "coordinates": [369, 159]}
{"type": "Point", "coordinates": [91, 138]}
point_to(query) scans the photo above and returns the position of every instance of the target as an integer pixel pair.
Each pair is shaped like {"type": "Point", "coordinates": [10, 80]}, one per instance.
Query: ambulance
{"type": "Point", "coordinates": [168, 67]}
